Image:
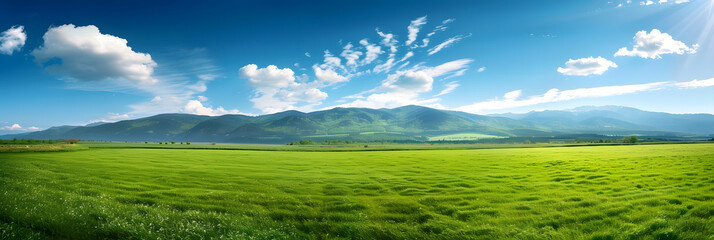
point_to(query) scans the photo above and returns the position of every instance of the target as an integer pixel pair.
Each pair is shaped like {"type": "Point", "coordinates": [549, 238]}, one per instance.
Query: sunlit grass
{"type": "Point", "coordinates": [603, 192]}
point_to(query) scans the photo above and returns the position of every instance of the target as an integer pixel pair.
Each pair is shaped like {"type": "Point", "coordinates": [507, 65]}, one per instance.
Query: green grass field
{"type": "Point", "coordinates": [590, 192]}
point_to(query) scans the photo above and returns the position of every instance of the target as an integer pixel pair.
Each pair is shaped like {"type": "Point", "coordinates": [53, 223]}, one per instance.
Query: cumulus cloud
{"type": "Point", "coordinates": [12, 40]}
{"type": "Point", "coordinates": [17, 127]}
{"type": "Point", "coordinates": [328, 75]}
{"type": "Point", "coordinates": [481, 69]}
{"type": "Point", "coordinates": [88, 55]}
{"type": "Point", "coordinates": [654, 44]}
{"type": "Point", "coordinates": [413, 28]}
{"type": "Point", "coordinates": [13, 127]}
{"type": "Point", "coordinates": [408, 81]}
{"type": "Point", "coordinates": [445, 44]}
{"type": "Point", "coordinates": [586, 66]}
{"type": "Point", "coordinates": [277, 90]}
{"type": "Point", "coordinates": [269, 77]}
{"type": "Point", "coordinates": [196, 107]}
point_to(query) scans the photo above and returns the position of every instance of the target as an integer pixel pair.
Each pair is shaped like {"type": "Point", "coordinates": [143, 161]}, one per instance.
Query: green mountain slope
{"type": "Point", "coordinates": [363, 124]}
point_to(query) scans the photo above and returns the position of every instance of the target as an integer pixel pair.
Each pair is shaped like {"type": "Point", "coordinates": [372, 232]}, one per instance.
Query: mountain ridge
{"type": "Point", "coordinates": [413, 123]}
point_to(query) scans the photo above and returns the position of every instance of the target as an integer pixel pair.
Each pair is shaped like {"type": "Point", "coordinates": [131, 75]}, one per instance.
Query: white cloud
{"type": "Point", "coordinates": [586, 66]}
{"type": "Point", "coordinates": [196, 107]}
{"type": "Point", "coordinates": [277, 90]}
{"type": "Point", "coordinates": [111, 117]}
{"type": "Point", "coordinates": [207, 77]}
{"type": "Point", "coordinates": [350, 55]}
{"type": "Point", "coordinates": [12, 40]}
{"type": "Point", "coordinates": [696, 83]}
{"type": "Point", "coordinates": [445, 44]}
{"type": "Point", "coordinates": [425, 42]}
{"type": "Point", "coordinates": [269, 77]}
{"type": "Point", "coordinates": [404, 87]}
{"type": "Point", "coordinates": [654, 44]}
{"type": "Point", "coordinates": [388, 40]}
{"type": "Point", "coordinates": [202, 98]}
{"type": "Point", "coordinates": [307, 54]}
{"type": "Point", "coordinates": [450, 87]}
{"type": "Point", "coordinates": [413, 28]}
{"type": "Point", "coordinates": [415, 82]}
{"type": "Point", "coordinates": [555, 95]}
{"type": "Point", "coordinates": [647, 3]}
{"type": "Point", "coordinates": [14, 127]}
{"type": "Point", "coordinates": [88, 55]}
{"type": "Point", "coordinates": [92, 61]}
{"type": "Point", "coordinates": [512, 94]}
{"type": "Point", "coordinates": [302, 93]}
{"type": "Point", "coordinates": [331, 62]}
{"type": "Point", "coordinates": [17, 127]}
{"type": "Point", "coordinates": [407, 56]}
{"type": "Point", "coordinates": [386, 66]}
{"type": "Point", "coordinates": [372, 53]}
{"type": "Point", "coordinates": [481, 69]}
{"type": "Point", "coordinates": [448, 67]}
{"type": "Point", "coordinates": [328, 76]}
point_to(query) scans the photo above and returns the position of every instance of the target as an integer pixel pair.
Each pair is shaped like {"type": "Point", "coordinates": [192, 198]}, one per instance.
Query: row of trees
{"type": "Point", "coordinates": [326, 142]}
{"type": "Point", "coordinates": [172, 142]}
{"type": "Point", "coordinates": [38, 141]}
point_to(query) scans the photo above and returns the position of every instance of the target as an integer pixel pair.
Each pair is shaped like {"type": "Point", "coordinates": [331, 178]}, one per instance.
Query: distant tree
{"type": "Point", "coordinates": [181, 142]}
{"type": "Point", "coordinates": [146, 142]}
{"type": "Point", "coordinates": [527, 141]}
{"type": "Point", "coordinates": [711, 139]}
{"type": "Point", "coordinates": [188, 143]}
{"type": "Point", "coordinates": [71, 140]}
{"type": "Point", "coordinates": [172, 142]}
{"type": "Point", "coordinates": [14, 140]}
{"type": "Point", "coordinates": [213, 143]}
{"type": "Point", "coordinates": [633, 139]}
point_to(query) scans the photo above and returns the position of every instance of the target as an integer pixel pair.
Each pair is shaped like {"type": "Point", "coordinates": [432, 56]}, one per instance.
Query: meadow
{"type": "Point", "coordinates": [663, 191]}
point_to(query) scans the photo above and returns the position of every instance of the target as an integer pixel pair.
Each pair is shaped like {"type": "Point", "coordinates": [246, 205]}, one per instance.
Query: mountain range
{"type": "Point", "coordinates": [408, 123]}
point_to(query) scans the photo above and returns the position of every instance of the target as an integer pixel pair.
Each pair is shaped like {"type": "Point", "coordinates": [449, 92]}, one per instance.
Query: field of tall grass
{"type": "Point", "coordinates": [589, 192]}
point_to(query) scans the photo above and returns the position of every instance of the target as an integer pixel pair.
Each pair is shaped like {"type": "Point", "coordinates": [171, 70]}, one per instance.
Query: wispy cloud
{"type": "Point", "coordinates": [450, 87]}
{"type": "Point", "coordinates": [413, 28]}
{"type": "Point", "coordinates": [445, 44]}
{"type": "Point", "coordinates": [513, 100]}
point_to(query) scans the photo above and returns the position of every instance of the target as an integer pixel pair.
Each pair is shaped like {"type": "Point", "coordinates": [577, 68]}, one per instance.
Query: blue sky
{"type": "Point", "coordinates": [81, 62]}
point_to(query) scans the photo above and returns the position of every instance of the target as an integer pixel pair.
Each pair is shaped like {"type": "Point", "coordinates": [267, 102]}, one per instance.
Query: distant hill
{"type": "Point", "coordinates": [618, 119]}
{"type": "Point", "coordinates": [403, 123]}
